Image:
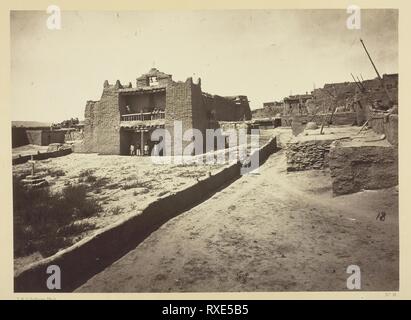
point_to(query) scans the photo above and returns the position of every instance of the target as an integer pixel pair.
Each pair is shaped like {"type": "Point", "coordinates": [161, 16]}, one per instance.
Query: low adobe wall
{"type": "Point", "coordinates": [42, 156]}
{"type": "Point", "coordinates": [265, 151]}
{"type": "Point", "coordinates": [89, 256]}
{"type": "Point", "coordinates": [356, 167]}
{"type": "Point", "coordinates": [385, 124]}
{"type": "Point", "coordinates": [45, 137]}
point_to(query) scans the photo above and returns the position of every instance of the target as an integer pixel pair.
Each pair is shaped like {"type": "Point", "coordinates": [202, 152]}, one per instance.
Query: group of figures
{"type": "Point", "coordinates": [136, 150]}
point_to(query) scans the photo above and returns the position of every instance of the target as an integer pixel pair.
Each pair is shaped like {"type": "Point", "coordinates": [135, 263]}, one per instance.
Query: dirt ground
{"type": "Point", "coordinates": [121, 185]}
{"type": "Point", "coordinates": [271, 231]}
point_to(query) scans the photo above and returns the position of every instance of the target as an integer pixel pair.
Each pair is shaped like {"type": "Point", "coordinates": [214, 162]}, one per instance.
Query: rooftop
{"type": "Point", "coordinates": [142, 90]}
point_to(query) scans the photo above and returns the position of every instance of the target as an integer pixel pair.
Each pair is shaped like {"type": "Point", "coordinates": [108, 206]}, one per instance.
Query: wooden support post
{"type": "Point", "coordinates": [142, 143]}
{"type": "Point", "coordinates": [323, 120]}
{"type": "Point", "coordinates": [332, 115]}
{"type": "Point", "coordinates": [32, 162]}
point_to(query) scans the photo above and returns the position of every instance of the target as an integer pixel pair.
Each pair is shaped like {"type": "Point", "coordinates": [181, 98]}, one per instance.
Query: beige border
{"type": "Point", "coordinates": [6, 221]}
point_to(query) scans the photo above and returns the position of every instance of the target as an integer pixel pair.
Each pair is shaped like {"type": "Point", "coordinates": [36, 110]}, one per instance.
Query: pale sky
{"type": "Point", "coordinates": [265, 55]}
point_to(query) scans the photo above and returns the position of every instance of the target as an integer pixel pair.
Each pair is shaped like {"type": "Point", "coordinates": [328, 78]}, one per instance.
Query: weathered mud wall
{"type": "Point", "coordinates": [356, 167]}
{"type": "Point", "coordinates": [37, 136]}
{"type": "Point", "coordinates": [19, 137]}
{"type": "Point", "coordinates": [42, 156]}
{"type": "Point", "coordinates": [385, 124]}
{"type": "Point", "coordinates": [102, 122]}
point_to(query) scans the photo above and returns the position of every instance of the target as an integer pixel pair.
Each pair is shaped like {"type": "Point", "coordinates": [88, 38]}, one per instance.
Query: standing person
{"type": "Point", "coordinates": [132, 150]}
{"type": "Point", "coordinates": [146, 149]}
{"type": "Point", "coordinates": [155, 150]}
{"type": "Point", "coordinates": [138, 149]}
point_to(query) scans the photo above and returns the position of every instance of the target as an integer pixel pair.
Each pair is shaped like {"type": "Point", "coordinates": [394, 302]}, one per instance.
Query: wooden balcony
{"type": "Point", "coordinates": [143, 116]}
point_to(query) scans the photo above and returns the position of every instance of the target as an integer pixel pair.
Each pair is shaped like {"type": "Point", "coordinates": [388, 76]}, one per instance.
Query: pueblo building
{"type": "Point", "coordinates": [127, 115]}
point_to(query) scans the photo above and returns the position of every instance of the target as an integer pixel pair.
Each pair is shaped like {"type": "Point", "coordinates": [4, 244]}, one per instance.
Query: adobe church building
{"type": "Point", "coordinates": [128, 115]}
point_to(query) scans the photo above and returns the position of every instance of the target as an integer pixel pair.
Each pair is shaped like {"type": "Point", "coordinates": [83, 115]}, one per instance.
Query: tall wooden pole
{"type": "Point", "coordinates": [376, 71]}
{"type": "Point", "coordinates": [358, 85]}
{"type": "Point", "coordinates": [372, 62]}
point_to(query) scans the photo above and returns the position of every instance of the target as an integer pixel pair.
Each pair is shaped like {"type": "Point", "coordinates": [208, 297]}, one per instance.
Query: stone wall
{"type": "Point", "coordinates": [355, 167]}
{"type": "Point", "coordinates": [306, 155]}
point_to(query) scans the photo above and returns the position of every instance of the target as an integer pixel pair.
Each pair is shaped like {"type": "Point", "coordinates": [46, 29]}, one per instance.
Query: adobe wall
{"type": "Point", "coordinates": [38, 136]}
{"type": "Point", "coordinates": [201, 119]}
{"type": "Point", "coordinates": [333, 94]}
{"type": "Point", "coordinates": [385, 124]}
{"type": "Point", "coordinates": [179, 108]}
{"type": "Point", "coordinates": [227, 110]}
{"type": "Point", "coordinates": [108, 122]}
{"type": "Point", "coordinates": [42, 156]}
{"type": "Point", "coordinates": [54, 136]}
{"type": "Point", "coordinates": [355, 167]}
{"type": "Point", "coordinates": [35, 137]}
{"type": "Point", "coordinates": [185, 101]}
{"type": "Point", "coordinates": [224, 110]}
{"type": "Point", "coordinates": [18, 137]}
{"type": "Point", "coordinates": [90, 137]}
{"type": "Point", "coordinates": [102, 122]}
{"type": "Point", "coordinates": [374, 90]}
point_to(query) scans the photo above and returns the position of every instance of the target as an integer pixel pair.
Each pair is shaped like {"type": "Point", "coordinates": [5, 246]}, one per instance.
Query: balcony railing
{"type": "Point", "coordinates": [143, 116]}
